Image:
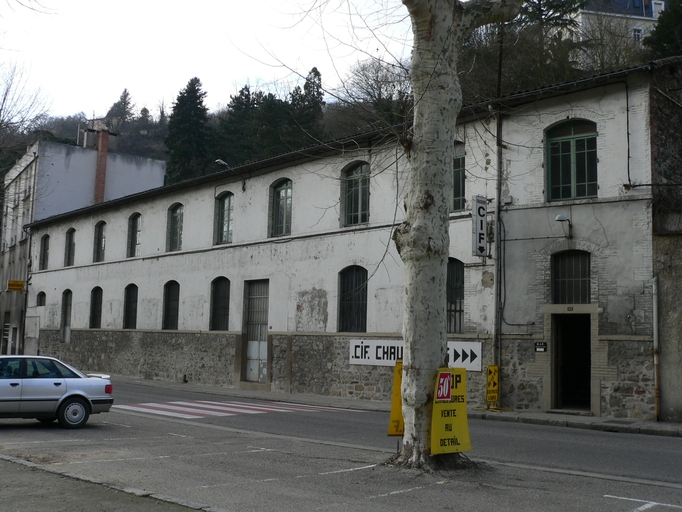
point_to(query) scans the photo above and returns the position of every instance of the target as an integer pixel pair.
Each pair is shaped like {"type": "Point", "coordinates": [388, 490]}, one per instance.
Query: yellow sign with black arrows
{"type": "Point", "coordinates": [492, 391]}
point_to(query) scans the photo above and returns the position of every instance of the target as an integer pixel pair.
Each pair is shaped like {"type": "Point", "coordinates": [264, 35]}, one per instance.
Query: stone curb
{"type": "Point", "coordinates": [589, 423]}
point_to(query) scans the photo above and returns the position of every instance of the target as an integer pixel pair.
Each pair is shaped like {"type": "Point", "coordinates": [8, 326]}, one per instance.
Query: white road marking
{"type": "Point", "coordinates": [162, 413]}
{"type": "Point", "coordinates": [402, 491]}
{"type": "Point", "coordinates": [197, 409]}
{"type": "Point", "coordinates": [45, 442]}
{"type": "Point", "coordinates": [646, 503]}
{"type": "Point", "coordinates": [348, 470]}
{"type": "Point", "coordinates": [108, 460]}
{"type": "Point", "coordinates": [117, 424]}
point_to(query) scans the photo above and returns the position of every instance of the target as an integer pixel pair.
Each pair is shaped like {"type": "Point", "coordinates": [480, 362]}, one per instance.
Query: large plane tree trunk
{"type": "Point", "coordinates": [439, 28]}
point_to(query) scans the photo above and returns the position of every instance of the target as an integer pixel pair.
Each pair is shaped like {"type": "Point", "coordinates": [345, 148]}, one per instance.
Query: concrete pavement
{"type": "Point", "coordinates": [40, 489]}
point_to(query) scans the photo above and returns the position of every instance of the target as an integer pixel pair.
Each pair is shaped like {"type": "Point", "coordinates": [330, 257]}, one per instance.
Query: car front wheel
{"type": "Point", "coordinates": [73, 413]}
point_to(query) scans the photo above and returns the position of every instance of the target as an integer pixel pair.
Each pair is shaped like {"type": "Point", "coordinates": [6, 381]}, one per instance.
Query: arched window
{"type": "Point", "coordinates": [134, 231]}
{"type": "Point", "coordinates": [44, 252]}
{"type": "Point", "coordinates": [96, 308]}
{"type": "Point", "coordinates": [353, 299]}
{"type": "Point", "coordinates": [40, 299]}
{"type": "Point", "coordinates": [220, 304]}
{"type": "Point", "coordinates": [572, 160]}
{"type": "Point", "coordinates": [455, 296]}
{"type": "Point", "coordinates": [458, 177]}
{"type": "Point", "coordinates": [223, 218]}
{"type": "Point", "coordinates": [175, 214]}
{"type": "Point", "coordinates": [65, 324]}
{"type": "Point", "coordinates": [99, 242]}
{"type": "Point", "coordinates": [171, 305]}
{"type": "Point", "coordinates": [571, 277]}
{"type": "Point", "coordinates": [356, 194]}
{"type": "Point", "coordinates": [281, 208]}
{"type": "Point", "coordinates": [130, 307]}
{"type": "Point", "coordinates": [70, 248]}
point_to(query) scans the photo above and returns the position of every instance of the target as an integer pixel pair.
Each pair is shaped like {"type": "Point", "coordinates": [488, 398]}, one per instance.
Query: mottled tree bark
{"type": "Point", "coordinates": [439, 28]}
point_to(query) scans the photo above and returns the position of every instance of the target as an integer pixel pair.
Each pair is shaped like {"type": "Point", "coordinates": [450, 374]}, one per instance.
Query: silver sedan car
{"type": "Point", "coordinates": [46, 389]}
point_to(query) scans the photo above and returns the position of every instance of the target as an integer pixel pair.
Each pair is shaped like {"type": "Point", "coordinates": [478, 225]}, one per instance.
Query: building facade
{"type": "Point", "coordinates": [281, 275]}
{"type": "Point", "coordinates": [51, 179]}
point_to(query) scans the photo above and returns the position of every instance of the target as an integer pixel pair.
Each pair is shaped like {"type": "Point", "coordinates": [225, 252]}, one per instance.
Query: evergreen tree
{"type": "Point", "coordinates": [188, 137]}
{"type": "Point", "coordinates": [666, 39]}
{"type": "Point", "coordinates": [235, 129]}
{"type": "Point", "coordinates": [121, 112]}
{"type": "Point", "coordinates": [306, 106]}
{"type": "Point", "coordinates": [259, 125]}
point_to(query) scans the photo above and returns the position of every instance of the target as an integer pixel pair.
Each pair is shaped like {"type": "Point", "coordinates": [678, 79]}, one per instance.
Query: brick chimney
{"type": "Point", "coordinates": [101, 176]}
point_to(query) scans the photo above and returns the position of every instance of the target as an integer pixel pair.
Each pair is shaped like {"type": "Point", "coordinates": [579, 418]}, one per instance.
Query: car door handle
{"type": "Point", "coordinates": [14, 384]}
{"type": "Point", "coordinates": [57, 383]}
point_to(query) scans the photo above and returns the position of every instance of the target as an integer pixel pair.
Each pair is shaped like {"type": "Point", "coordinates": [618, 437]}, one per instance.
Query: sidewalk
{"type": "Point", "coordinates": [553, 418]}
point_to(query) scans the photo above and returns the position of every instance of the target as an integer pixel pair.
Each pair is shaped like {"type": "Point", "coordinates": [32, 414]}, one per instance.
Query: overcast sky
{"type": "Point", "coordinates": [81, 54]}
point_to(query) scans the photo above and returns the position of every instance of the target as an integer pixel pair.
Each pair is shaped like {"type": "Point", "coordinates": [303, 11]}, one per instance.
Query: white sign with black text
{"type": "Point", "coordinates": [461, 354]}
{"type": "Point", "coordinates": [480, 218]}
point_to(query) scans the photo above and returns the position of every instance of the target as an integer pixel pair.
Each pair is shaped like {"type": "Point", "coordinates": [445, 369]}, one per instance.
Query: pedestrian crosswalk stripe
{"type": "Point", "coordinates": [196, 409]}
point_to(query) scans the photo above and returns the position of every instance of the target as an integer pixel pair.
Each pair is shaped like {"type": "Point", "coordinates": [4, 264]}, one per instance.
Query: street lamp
{"type": "Point", "coordinates": [562, 218]}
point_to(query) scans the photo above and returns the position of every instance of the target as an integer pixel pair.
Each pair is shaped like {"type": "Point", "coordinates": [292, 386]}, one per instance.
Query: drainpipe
{"type": "Point", "coordinates": [657, 386]}
{"type": "Point", "coordinates": [497, 351]}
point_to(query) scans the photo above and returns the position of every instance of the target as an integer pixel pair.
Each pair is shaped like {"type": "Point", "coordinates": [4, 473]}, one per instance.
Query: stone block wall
{"type": "Point", "coordinates": [622, 376]}
{"type": "Point", "coordinates": [632, 394]}
{"type": "Point", "coordinates": [319, 364]}
{"type": "Point", "coordinates": [202, 358]}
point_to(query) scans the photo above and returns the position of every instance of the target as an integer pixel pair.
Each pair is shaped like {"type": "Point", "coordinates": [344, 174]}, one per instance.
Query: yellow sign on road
{"type": "Point", "coordinates": [449, 423]}
{"type": "Point", "coordinates": [15, 286]}
{"type": "Point", "coordinates": [396, 424]}
{"type": "Point", "coordinates": [492, 391]}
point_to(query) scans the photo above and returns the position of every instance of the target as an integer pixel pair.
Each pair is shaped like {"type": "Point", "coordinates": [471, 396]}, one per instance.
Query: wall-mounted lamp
{"type": "Point", "coordinates": [562, 218]}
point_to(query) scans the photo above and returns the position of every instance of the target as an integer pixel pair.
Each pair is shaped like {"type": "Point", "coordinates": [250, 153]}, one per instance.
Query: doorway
{"type": "Point", "coordinates": [572, 361]}
{"type": "Point", "coordinates": [256, 329]}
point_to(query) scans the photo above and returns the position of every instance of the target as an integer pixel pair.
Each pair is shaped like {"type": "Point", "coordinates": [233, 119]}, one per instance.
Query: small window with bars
{"type": "Point", "coordinates": [353, 299]}
{"type": "Point", "coordinates": [455, 296]}
{"type": "Point", "coordinates": [130, 307]}
{"type": "Point", "coordinates": [571, 277]}
{"type": "Point", "coordinates": [171, 305]}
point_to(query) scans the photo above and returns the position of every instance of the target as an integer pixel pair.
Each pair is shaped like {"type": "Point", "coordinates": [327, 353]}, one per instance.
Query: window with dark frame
{"type": "Point", "coordinates": [571, 277]}
{"type": "Point", "coordinates": [44, 252]}
{"type": "Point", "coordinates": [353, 299]}
{"type": "Point", "coordinates": [99, 242]}
{"type": "Point", "coordinates": [572, 161]}
{"type": "Point", "coordinates": [130, 307]}
{"type": "Point", "coordinates": [171, 305]}
{"type": "Point", "coordinates": [356, 194]}
{"type": "Point", "coordinates": [96, 308]}
{"type": "Point", "coordinates": [281, 208]}
{"type": "Point", "coordinates": [175, 215]}
{"type": "Point", "coordinates": [40, 299]}
{"type": "Point", "coordinates": [65, 324]}
{"type": "Point", "coordinates": [220, 304]}
{"type": "Point", "coordinates": [70, 248]}
{"type": "Point", "coordinates": [224, 211]}
{"type": "Point", "coordinates": [455, 296]}
{"type": "Point", "coordinates": [134, 232]}
{"type": "Point", "coordinates": [458, 177]}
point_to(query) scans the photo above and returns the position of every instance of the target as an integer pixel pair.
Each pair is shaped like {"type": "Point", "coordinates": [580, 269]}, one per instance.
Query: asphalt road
{"type": "Point", "coordinates": [319, 459]}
